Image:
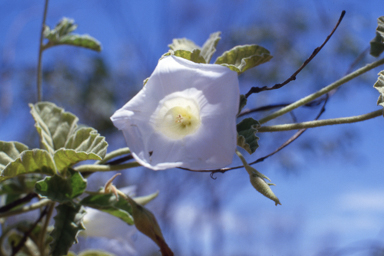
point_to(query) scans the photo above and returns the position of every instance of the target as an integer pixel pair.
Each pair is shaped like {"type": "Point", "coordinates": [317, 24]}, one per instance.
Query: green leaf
{"type": "Point", "coordinates": [209, 46]}
{"type": "Point", "coordinates": [10, 151]}
{"type": "Point", "coordinates": [61, 189]}
{"type": "Point", "coordinates": [30, 161]}
{"type": "Point", "coordinates": [379, 85]}
{"type": "Point", "coordinates": [377, 44]}
{"type": "Point", "coordinates": [68, 223]}
{"type": "Point", "coordinates": [183, 44]}
{"type": "Point", "coordinates": [88, 140]}
{"type": "Point", "coordinates": [147, 224]}
{"type": "Point", "coordinates": [246, 137]}
{"type": "Point", "coordinates": [244, 57]}
{"type": "Point", "coordinates": [192, 56]}
{"type": "Point", "coordinates": [108, 203]}
{"type": "Point", "coordinates": [65, 158]}
{"type": "Point", "coordinates": [53, 124]}
{"type": "Point", "coordinates": [61, 34]}
{"type": "Point", "coordinates": [242, 102]}
{"type": "Point", "coordinates": [85, 41]}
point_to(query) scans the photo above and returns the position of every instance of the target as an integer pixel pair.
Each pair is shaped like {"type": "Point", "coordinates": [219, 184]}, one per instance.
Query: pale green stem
{"type": "Point", "coordinates": [39, 63]}
{"type": "Point", "coordinates": [113, 154]}
{"type": "Point", "coordinates": [44, 229]}
{"type": "Point", "coordinates": [105, 168]}
{"type": "Point", "coordinates": [317, 123]}
{"type": "Point", "coordinates": [321, 92]}
{"type": "Point", "coordinates": [28, 208]}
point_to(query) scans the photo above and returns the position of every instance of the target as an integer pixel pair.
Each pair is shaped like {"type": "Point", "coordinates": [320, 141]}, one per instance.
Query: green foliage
{"type": "Point", "coordinates": [147, 224]}
{"type": "Point", "coordinates": [242, 102]}
{"type": "Point", "coordinates": [10, 151]}
{"type": "Point", "coordinates": [61, 34]}
{"type": "Point", "coordinates": [68, 223]}
{"type": "Point", "coordinates": [246, 137]}
{"type": "Point", "coordinates": [209, 46]}
{"type": "Point", "coordinates": [95, 253]}
{"type": "Point", "coordinates": [187, 49]}
{"type": "Point", "coordinates": [143, 200]}
{"type": "Point", "coordinates": [379, 85]}
{"type": "Point", "coordinates": [61, 189]}
{"type": "Point", "coordinates": [108, 203]}
{"type": "Point", "coordinates": [193, 55]}
{"type": "Point", "coordinates": [54, 125]}
{"type": "Point", "coordinates": [244, 57]}
{"type": "Point", "coordinates": [61, 137]}
{"type": "Point", "coordinates": [30, 161]}
{"type": "Point", "coordinates": [377, 44]}
{"type": "Point", "coordinates": [183, 44]}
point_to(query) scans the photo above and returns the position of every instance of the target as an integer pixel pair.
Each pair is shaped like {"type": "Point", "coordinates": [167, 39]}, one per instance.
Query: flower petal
{"type": "Point", "coordinates": [215, 90]}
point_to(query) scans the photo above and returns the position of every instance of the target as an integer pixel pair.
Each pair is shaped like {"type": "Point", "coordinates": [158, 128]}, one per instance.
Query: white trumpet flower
{"type": "Point", "coordinates": [185, 116]}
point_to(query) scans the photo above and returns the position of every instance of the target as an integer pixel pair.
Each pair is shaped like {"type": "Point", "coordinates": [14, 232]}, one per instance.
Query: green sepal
{"type": "Point", "coordinates": [68, 223]}
{"type": "Point", "coordinates": [183, 44]}
{"type": "Point", "coordinates": [61, 34]}
{"type": "Point", "coordinates": [143, 200]}
{"type": "Point", "coordinates": [10, 151]}
{"type": "Point", "coordinates": [30, 161]}
{"type": "Point", "coordinates": [147, 224]}
{"type": "Point", "coordinates": [246, 134]}
{"type": "Point", "coordinates": [257, 180]}
{"type": "Point", "coordinates": [209, 47]}
{"type": "Point", "coordinates": [60, 189]}
{"type": "Point", "coordinates": [244, 57]}
{"type": "Point", "coordinates": [54, 125]}
{"type": "Point", "coordinates": [193, 55]}
{"type": "Point", "coordinates": [377, 43]}
{"type": "Point", "coordinates": [379, 85]}
{"type": "Point", "coordinates": [108, 203]}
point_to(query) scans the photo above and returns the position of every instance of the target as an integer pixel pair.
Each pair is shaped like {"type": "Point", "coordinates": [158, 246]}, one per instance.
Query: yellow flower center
{"type": "Point", "coordinates": [177, 118]}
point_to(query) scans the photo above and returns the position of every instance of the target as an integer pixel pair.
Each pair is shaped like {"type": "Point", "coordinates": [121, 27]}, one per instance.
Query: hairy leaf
{"type": "Point", "coordinates": [244, 57]}
{"type": "Point", "coordinates": [61, 34]}
{"type": "Point", "coordinates": [88, 140]}
{"type": "Point", "coordinates": [246, 137]}
{"type": "Point", "coordinates": [209, 46]}
{"type": "Point", "coordinates": [65, 158]}
{"type": "Point", "coordinates": [183, 44]}
{"type": "Point", "coordinates": [68, 223]}
{"type": "Point", "coordinates": [61, 189]}
{"type": "Point", "coordinates": [147, 224]}
{"type": "Point", "coordinates": [193, 55]}
{"type": "Point", "coordinates": [53, 124]}
{"type": "Point", "coordinates": [379, 85]}
{"type": "Point", "coordinates": [377, 44]}
{"type": "Point", "coordinates": [10, 151]}
{"type": "Point", "coordinates": [242, 102]}
{"type": "Point", "coordinates": [108, 203]}
{"type": "Point", "coordinates": [30, 161]}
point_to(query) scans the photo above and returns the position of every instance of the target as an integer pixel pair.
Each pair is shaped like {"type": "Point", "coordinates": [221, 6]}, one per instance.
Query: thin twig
{"type": "Point", "coordinates": [293, 77]}
{"type": "Point", "coordinates": [286, 143]}
{"type": "Point", "coordinates": [26, 234]}
{"type": "Point", "coordinates": [18, 202]}
{"type": "Point", "coordinates": [39, 63]}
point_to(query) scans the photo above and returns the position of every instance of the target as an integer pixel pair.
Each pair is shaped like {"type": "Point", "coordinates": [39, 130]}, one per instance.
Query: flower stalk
{"type": "Point", "coordinates": [323, 91]}
{"type": "Point", "coordinates": [318, 123]}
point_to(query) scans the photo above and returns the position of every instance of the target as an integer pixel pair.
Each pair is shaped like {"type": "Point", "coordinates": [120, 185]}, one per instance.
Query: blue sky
{"type": "Point", "coordinates": [332, 201]}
